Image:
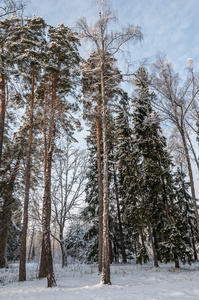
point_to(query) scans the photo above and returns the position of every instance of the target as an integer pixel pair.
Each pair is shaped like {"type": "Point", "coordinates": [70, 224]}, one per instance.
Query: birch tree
{"type": "Point", "coordinates": [106, 41]}
{"type": "Point", "coordinates": [175, 103]}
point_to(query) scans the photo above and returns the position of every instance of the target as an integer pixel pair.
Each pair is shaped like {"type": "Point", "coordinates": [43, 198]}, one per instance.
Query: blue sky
{"type": "Point", "coordinates": [171, 26]}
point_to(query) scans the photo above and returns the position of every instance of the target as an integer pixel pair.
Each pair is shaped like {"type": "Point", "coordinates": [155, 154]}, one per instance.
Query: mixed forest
{"type": "Point", "coordinates": [131, 194]}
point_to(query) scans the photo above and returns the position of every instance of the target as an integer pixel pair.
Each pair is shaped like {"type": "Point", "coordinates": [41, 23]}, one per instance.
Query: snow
{"type": "Point", "coordinates": [81, 281]}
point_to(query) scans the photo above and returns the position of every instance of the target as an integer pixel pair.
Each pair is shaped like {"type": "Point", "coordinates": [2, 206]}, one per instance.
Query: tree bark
{"type": "Point", "coordinates": [22, 264]}
{"type": "Point", "coordinates": [105, 251]}
{"type": "Point", "coordinates": [100, 187]}
{"type": "Point", "coordinates": [64, 254]}
{"type": "Point", "coordinates": [42, 265]}
{"type": "Point", "coordinates": [31, 244]}
{"type": "Point", "coordinates": [46, 224]}
{"type": "Point", "coordinates": [48, 153]}
{"type": "Point", "coordinates": [155, 257]}
{"type": "Point", "coordinates": [119, 220]}
{"type": "Point", "coordinates": [2, 108]}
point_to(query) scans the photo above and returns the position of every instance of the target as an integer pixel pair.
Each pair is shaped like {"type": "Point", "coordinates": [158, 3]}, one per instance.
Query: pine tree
{"type": "Point", "coordinates": [28, 59]}
{"type": "Point", "coordinates": [60, 74]}
{"type": "Point", "coordinates": [9, 32]}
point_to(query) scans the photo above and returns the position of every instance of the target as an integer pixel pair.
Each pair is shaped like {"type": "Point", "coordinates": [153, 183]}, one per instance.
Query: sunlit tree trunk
{"type": "Point", "coordinates": [46, 216]}
{"type": "Point", "coordinates": [105, 249]}
{"type": "Point", "coordinates": [100, 187]}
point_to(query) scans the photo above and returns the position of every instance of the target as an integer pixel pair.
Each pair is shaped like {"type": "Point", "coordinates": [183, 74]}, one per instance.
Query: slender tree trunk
{"type": "Point", "coordinates": [105, 252]}
{"type": "Point", "coordinates": [119, 220]}
{"type": "Point", "coordinates": [192, 149]}
{"type": "Point", "coordinates": [2, 108]}
{"type": "Point", "coordinates": [46, 224]}
{"type": "Point", "coordinates": [64, 254]}
{"type": "Point", "coordinates": [47, 192]}
{"type": "Point", "coordinates": [111, 252]}
{"type": "Point", "coordinates": [31, 243]}
{"type": "Point", "coordinates": [100, 188]}
{"type": "Point", "coordinates": [5, 216]}
{"type": "Point", "coordinates": [42, 266]}
{"type": "Point", "coordinates": [22, 264]}
{"type": "Point", "coordinates": [190, 175]}
{"type": "Point", "coordinates": [155, 257]}
{"type": "Point", "coordinates": [193, 243]}
{"type": "Point", "coordinates": [177, 265]}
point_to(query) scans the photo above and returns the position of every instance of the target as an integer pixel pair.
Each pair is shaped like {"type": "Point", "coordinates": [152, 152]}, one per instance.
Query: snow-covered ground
{"type": "Point", "coordinates": [79, 281]}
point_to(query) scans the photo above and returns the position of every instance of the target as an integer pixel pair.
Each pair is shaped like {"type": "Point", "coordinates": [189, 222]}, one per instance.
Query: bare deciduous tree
{"type": "Point", "coordinates": [67, 189]}
{"type": "Point", "coordinates": [175, 103]}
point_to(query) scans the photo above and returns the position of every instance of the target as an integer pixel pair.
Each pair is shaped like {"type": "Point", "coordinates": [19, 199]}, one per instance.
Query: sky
{"type": "Point", "coordinates": [169, 26]}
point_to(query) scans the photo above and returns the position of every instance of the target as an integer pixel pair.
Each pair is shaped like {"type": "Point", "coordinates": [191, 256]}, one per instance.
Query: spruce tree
{"type": "Point", "coordinates": [156, 186]}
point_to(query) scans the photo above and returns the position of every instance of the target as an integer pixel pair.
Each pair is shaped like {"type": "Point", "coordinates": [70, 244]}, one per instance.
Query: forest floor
{"type": "Point", "coordinates": [80, 281]}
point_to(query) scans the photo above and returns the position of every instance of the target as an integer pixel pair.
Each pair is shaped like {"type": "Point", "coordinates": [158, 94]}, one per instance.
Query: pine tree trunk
{"type": "Point", "coordinates": [42, 265]}
{"type": "Point", "coordinates": [119, 219]}
{"type": "Point", "coordinates": [100, 188]}
{"type": "Point", "coordinates": [46, 224]}
{"type": "Point", "coordinates": [190, 175]}
{"type": "Point", "coordinates": [47, 190]}
{"type": "Point", "coordinates": [105, 251]}
{"type": "Point", "coordinates": [22, 264]}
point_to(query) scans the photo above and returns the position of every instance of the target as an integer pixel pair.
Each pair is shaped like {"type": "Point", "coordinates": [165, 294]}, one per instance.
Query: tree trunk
{"type": "Point", "coordinates": [119, 220]}
{"type": "Point", "coordinates": [5, 216]}
{"type": "Point", "coordinates": [42, 265]}
{"type": "Point", "coordinates": [155, 257]}
{"type": "Point", "coordinates": [64, 254]}
{"type": "Point", "coordinates": [46, 224]}
{"type": "Point", "coordinates": [22, 264]}
{"type": "Point", "coordinates": [105, 250]}
{"type": "Point", "coordinates": [193, 243]}
{"type": "Point", "coordinates": [177, 265]}
{"type": "Point", "coordinates": [31, 244]}
{"type": "Point", "coordinates": [2, 109]}
{"type": "Point", "coordinates": [100, 188]}
{"type": "Point", "coordinates": [48, 152]}
{"type": "Point", "coordinates": [190, 175]}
